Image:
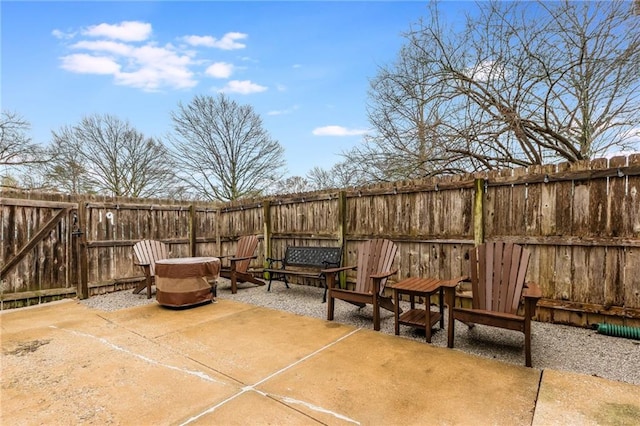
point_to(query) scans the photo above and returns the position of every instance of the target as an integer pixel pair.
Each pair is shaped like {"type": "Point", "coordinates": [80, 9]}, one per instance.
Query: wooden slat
{"type": "Point", "coordinates": [507, 298]}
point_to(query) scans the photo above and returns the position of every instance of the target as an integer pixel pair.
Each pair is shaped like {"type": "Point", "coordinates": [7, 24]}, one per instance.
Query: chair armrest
{"type": "Point", "coordinates": [383, 274]}
{"type": "Point", "coordinates": [532, 291]}
{"type": "Point", "coordinates": [334, 270]}
{"type": "Point", "coordinates": [141, 264]}
{"type": "Point", "coordinates": [237, 259]}
{"type": "Point", "coordinates": [454, 281]}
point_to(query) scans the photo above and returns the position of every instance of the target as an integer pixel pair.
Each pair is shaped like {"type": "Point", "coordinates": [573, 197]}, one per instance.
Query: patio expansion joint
{"type": "Point", "coordinates": [535, 401]}
{"type": "Point", "coordinates": [280, 398]}
{"type": "Point", "coordinates": [141, 357]}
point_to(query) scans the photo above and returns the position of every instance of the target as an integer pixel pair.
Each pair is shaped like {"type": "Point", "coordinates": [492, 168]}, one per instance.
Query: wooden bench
{"type": "Point", "coordinates": [304, 262]}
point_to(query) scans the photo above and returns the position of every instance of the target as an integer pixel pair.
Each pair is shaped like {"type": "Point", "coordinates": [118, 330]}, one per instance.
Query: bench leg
{"type": "Point", "coordinates": [271, 278]}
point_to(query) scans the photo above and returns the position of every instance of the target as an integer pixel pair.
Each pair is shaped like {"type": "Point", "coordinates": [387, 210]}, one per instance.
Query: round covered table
{"type": "Point", "coordinates": [185, 281]}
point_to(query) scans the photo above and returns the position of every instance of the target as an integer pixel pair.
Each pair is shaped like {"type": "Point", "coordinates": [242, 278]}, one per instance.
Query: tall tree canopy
{"type": "Point", "coordinates": [521, 83]}
{"type": "Point", "coordinates": [223, 150]}
{"type": "Point", "coordinates": [107, 155]}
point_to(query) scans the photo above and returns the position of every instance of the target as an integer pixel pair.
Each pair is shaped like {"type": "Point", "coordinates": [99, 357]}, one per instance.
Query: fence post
{"type": "Point", "coordinates": [83, 264]}
{"type": "Point", "coordinates": [266, 219]}
{"type": "Point", "coordinates": [192, 230]}
{"type": "Point", "coordinates": [478, 212]}
{"type": "Point", "coordinates": [218, 226]}
{"type": "Point", "coordinates": [342, 231]}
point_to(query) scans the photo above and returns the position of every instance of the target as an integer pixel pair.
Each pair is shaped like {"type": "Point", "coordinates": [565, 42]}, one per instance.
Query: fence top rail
{"type": "Point", "coordinates": [564, 176]}
{"type": "Point", "coordinates": [28, 202]}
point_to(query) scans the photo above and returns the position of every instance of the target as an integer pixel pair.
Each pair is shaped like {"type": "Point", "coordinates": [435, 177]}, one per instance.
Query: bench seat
{"type": "Point", "coordinates": [305, 262]}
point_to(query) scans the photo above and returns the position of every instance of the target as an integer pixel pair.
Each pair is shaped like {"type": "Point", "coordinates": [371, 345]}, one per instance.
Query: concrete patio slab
{"type": "Point", "coordinates": [233, 363]}
{"type": "Point", "coordinates": [577, 399]}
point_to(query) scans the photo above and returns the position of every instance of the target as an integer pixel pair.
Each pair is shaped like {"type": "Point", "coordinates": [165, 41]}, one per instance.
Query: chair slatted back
{"type": "Point", "coordinates": [497, 276]}
{"type": "Point", "coordinates": [148, 251]}
{"type": "Point", "coordinates": [374, 257]}
{"type": "Point", "coordinates": [246, 247]}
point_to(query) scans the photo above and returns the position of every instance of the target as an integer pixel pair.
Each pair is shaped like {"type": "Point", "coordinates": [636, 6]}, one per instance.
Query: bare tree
{"type": "Point", "coordinates": [340, 175]}
{"type": "Point", "coordinates": [290, 185]}
{"type": "Point", "coordinates": [523, 83]}
{"type": "Point", "coordinates": [18, 154]}
{"type": "Point", "coordinates": [16, 147]}
{"type": "Point", "coordinates": [108, 155]}
{"type": "Point", "coordinates": [68, 171]}
{"type": "Point", "coordinates": [223, 149]}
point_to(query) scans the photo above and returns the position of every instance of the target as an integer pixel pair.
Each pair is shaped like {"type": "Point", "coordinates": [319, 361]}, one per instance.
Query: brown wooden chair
{"type": "Point", "coordinates": [238, 268]}
{"type": "Point", "coordinates": [497, 283]}
{"type": "Point", "coordinates": [147, 252]}
{"type": "Point", "coordinates": [375, 258]}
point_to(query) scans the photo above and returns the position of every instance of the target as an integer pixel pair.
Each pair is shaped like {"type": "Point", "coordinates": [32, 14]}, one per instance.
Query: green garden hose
{"type": "Point", "coordinates": [619, 331]}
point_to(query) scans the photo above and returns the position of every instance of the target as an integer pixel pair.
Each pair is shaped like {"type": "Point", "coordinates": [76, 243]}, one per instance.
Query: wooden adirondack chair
{"type": "Point", "coordinates": [238, 267]}
{"type": "Point", "coordinates": [497, 282]}
{"type": "Point", "coordinates": [375, 258]}
{"type": "Point", "coordinates": [147, 252]}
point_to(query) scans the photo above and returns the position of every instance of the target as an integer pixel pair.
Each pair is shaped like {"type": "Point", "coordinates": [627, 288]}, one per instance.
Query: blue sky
{"type": "Point", "coordinates": [303, 66]}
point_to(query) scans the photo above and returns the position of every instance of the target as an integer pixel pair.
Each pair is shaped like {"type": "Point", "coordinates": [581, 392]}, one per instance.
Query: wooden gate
{"type": "Point", "coordinates": [40, 246]}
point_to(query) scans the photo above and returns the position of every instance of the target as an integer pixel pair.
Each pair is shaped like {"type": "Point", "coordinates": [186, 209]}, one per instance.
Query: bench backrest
{"type": "Point", "coordinates": [321, 257]}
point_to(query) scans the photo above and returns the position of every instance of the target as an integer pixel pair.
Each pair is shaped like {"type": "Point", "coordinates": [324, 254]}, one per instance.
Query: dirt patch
{"type": "Point", "coordinates": [28, 347]}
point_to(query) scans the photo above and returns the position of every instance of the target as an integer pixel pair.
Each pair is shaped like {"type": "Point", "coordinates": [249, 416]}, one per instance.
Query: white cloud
{"type": "Point", "coordinates": [158, 67]}
{"type": "Point", "coordinates": [88, 64]}
{"type": "Point", "coordinates": [284, 111]}
{"type": "Point", "coordinates": [227, 42]}
{"type": "Point", "coordinates": [195, 40]}
{"type": "Point", "coordinates": [105, 46]}
{"type": "Point", "coordinates": [487, 70]}
{"type": "Point", "coordinates": [337, 131]}
{"type": "Point", "coordinates": [124, 51]}
{"type": "Point", "coordinates": [125, 31]}
{"type": "Point", "coordinates": [146, 67]}
{"type": "Point", "coordinates": [243, 87]}
{"type": "Point", "coordinates": [62, 35]}
{"type": "Point", "coordinates": [296, 66]}
{"type": "Point", "coordinates": [220, 70]}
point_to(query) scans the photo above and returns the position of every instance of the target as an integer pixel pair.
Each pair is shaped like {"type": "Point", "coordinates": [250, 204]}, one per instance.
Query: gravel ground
{"type": "Point", "coordinates": [554, 346]}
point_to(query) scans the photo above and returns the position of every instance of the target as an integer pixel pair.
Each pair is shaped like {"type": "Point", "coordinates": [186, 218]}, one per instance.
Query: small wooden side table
{"type": "Point", "coordinates": [421, 318]}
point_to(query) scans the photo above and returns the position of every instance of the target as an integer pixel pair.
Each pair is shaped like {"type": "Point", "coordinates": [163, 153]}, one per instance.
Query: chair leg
{"type": "Point", "coordinates": [234, 278]}
{"type": "Point", "coordinates": [527, 342]}
{"type": "Point", "coordinates": [450, 299]}
{"type": "Point", "coordinates": [330, 303]}
{"type": "Point", "coordinates": [376, 318]}
{"type": "Point", "coordinates": [529, 311]}
{"type": "Point", "coordinates": [148, 287]}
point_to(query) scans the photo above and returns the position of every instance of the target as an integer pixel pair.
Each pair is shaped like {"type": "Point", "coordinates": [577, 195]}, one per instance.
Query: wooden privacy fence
{"type": "Point", "coordinates": [581, 222]}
